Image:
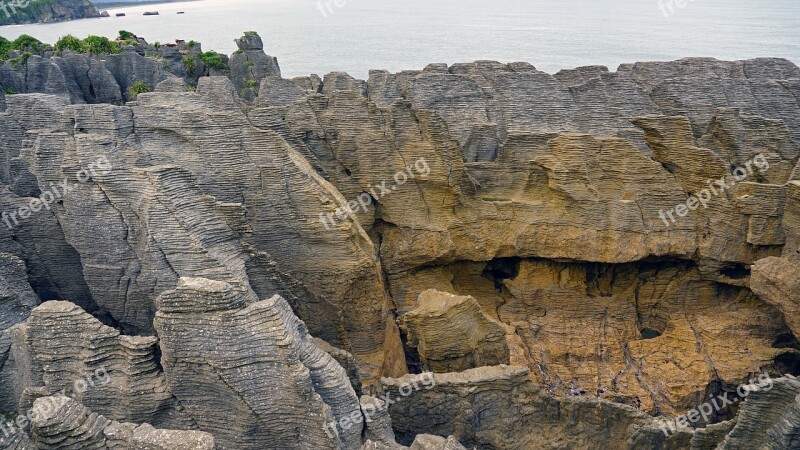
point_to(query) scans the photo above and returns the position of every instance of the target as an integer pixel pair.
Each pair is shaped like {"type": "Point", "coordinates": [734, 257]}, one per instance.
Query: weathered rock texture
{"type": "Point", "coordinates": [452, 334]}
{"type": "Point", "coordinates": [64, 423]}
{"type": "Point", "coordinates": [777, 282]}
{"type": "Point", "coordinates": [558, 217]}
{"type": "Point", "coordinates": [250, 65]}
{"type": "Point", "coordinates": [62, 349]}
{"type": "Point", "coordinates": [107, 78]}
{"type": "Point", "coordinates": [16, 301]}
{"type": "Point", "coordinates": [499, 407]}
{"type": "Point", "coordinates": [251, 374]}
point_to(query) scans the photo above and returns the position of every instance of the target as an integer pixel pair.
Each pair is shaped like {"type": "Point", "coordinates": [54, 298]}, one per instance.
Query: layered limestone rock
{"type": "Point", "coordinates": [107, 78]}
{"type": "Point", "coordinates": [184, 211]}
{"type": "Point", "coordinates": [769, 417]}
{"type": "Point", "coordinates": [777, 282]}
{"type": "Point", "coordinates": [422, 442]}
{"type": "Point", "coordinates": [654, 335]}
{"type": "Point", "coordinates": [499, 407]}
{"type": "Point", "coordinates": [53, 266]}
{"type": "Point", "coordinates": [249, 65]}
{"type": "Point", "coordinates": [250, 374]}
{"type": "Point", "coordinates": [63, 423]}
{"type": "Point", "coordinates": [452, 334]}
{"type": "Point", "coordinates": [597, 229]}
{"type": "Point", "coordinates": [63, 350]}
{"type": "Point", "coordinates": [17, 299]}
{"type": "Point", "coordinates": [379, 435]}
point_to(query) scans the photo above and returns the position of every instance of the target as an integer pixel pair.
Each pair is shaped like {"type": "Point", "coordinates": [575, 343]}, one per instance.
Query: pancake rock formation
{"type": "Point", "coordinates": [480, 255]}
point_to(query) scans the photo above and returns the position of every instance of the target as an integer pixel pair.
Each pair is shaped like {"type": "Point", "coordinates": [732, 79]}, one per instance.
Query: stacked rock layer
{"type": "Point", "coordinates": [561, 261]}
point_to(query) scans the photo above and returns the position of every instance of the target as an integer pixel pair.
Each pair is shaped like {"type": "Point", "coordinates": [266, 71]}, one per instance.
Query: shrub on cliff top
{"type": "Point", "coordinates": [213, 59]}
{"type": "Point", "coordinates": [100, 45]}
{"type": "Point", "coordinates": [126, 36]}
{"type": "Point", "coordinates": [5, 47]}
{"type": "Point", "coordinates": [69, 42]}
{"type": "Point", "coordinates": [27, 43]}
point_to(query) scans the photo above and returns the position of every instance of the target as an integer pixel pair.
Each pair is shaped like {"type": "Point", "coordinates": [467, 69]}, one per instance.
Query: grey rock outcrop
{"type": "Point", "coordinates": [768, 418]}
{"type": "Point", "coordinates": [63, 423]}
{"type": "Point", "coordinates": [498, 407]}
{"type": "Point", "coordinates": [131, 227]}
{"type": "Point", "coordinates": [53, 267]}
{"type": "Point", "coordinates": [17, 299]}
{"type": "Point", "coordinates": [113, 375]}
{"type": "Point", "coordinates": [290, 391]}
{"type": "Point", "coordinates": [249, 65]}
{"type": "Point", "coordinates": [106, 78]}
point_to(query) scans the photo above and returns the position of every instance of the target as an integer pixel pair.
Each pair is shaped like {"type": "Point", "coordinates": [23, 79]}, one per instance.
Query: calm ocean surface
{"type": "Point", "coordinates": [409, 34]}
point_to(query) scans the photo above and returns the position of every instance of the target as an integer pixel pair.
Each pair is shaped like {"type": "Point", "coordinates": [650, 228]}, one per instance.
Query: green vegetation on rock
{"type": "Point", "coordinates": [99, 45]}
{"type": "Point", "coordinates": [139, 87]}
{"type": "Point", "coordinates": [20, 60]}
{"type": "Point", "coordinates": [214, 60]}
{"type": "Point", "coordinates": [189, 65]}
{"type": "Point", "coordinates": [126, 36]}
{"type": "Point", "coordinates": [69, 42]}
{"type": "Point", "coordinates": [27, 43]}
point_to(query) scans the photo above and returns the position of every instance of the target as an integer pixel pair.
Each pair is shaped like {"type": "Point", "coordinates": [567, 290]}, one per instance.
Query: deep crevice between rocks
{"type": "Point", "coordinates": [735, 271]}
{"type": "Point", "coordinates": [501, 269]}
{"type": "Point", "coordinates": [788, 363]}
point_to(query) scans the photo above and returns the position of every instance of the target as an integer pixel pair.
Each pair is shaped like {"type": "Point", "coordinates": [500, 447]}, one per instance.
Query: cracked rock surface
{"type": "Point", "coordinates": [480, 255]}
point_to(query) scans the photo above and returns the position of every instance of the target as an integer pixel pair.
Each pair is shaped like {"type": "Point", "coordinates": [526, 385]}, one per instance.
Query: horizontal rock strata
{"type": "Point", "coordinates": [61, 349]}
{"type": "Point", "coordinates": [258, 365]}
{"type": "Point", "coordinates": [568, 259]}
{"type": "Point", "coordinates": [63, 423]}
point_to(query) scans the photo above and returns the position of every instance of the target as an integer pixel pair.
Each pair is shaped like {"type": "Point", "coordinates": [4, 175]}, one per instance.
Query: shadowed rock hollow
{"type": "Point", "coordinates": [577, 257]}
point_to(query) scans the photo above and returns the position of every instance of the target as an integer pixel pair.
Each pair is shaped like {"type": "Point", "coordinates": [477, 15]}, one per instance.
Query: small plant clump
{"type": "Point", "coordinates": [126, 36]}
{"type": "Point", "coordinates": [9, 91]}
{"type": "Point", "coordinates": [20, 60]}
{"type": "Point", "coordinates": [139, 87]}
{"type": "Point", "coordinates": [189, 65]}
